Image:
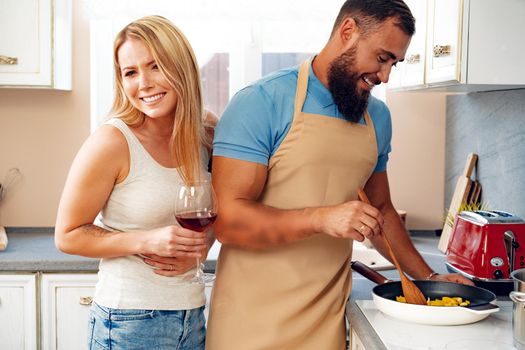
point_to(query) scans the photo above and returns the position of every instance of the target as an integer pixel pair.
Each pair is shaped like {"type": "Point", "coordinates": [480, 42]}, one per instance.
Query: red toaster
{"type": "Point", "coordinates": [486, 246]}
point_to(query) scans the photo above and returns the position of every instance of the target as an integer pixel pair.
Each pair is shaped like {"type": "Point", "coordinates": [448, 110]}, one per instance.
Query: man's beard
{"type": "Point", "coordinates": [342, 83]}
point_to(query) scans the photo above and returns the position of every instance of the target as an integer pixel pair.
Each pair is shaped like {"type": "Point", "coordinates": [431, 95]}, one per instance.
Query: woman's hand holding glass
{"type": "Point", "coordinates": [172, 250]}
{"type": "Point", "coordinates": [175, 241]}
{"type": "Point", "coordinates": [196, 209]}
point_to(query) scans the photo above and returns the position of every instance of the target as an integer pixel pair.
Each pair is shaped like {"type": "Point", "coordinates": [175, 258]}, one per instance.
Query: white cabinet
{"type": "Point", "coordinates": [66, 299]}
{"type": "Point", "coordinates": [60, 306]}
{"type": "Point", "coordinates": [443, 45]}
{"type": "Point", "coordinates": [18, 316]}
{"type": "Point", "coordinates": [35, 43]}
{"type": "Point", "coordinates": [411, 72]}
{"type": "Point", "coordinates": [471, 45]}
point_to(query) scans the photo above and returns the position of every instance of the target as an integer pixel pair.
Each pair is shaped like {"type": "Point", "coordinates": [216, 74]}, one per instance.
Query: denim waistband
{"type": "Point", "coordinates": [106, 312]}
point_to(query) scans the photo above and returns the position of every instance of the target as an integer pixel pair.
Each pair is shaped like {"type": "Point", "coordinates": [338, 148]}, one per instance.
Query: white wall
{"type": "Point", "coordinates": [417, 163]}
{"type": "Point", "coordinates": [41, 131]}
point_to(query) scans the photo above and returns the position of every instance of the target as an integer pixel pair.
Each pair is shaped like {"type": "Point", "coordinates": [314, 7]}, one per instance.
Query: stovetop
{"type": "Point", "coordinates": [492, 333]}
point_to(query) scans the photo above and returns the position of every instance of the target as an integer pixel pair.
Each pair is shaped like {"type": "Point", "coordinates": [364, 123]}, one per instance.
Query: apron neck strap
{"type": "Point", "coordinates": [302, 85]}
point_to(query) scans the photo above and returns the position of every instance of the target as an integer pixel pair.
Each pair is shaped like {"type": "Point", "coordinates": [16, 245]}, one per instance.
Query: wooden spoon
{"type": "Point", "coordinates": [412, 293]}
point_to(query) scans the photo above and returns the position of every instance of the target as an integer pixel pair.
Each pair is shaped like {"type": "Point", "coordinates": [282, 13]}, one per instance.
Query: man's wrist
{"type": "Point", "coordinates": [431, 275]}
{"type": "Point", "coordinates": [315, 219]}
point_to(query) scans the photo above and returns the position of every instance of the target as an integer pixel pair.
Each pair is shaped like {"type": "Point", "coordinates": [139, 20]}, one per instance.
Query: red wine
{"type": "Point", "coordinates": [197, 220]}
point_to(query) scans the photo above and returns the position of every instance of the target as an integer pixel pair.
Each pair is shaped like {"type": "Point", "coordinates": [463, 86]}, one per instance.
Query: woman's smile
{"type": "Point", "coordinates": [153, 98]}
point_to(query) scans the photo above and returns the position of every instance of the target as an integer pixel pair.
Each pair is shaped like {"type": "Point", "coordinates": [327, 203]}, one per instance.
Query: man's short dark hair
{"type": "Point", "coordinates": [370, 14]}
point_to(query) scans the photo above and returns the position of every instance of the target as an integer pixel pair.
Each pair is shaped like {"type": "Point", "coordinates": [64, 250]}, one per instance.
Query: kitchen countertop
{"type": "Point", "coordinates": [368, 322]}
{"type": "Point", "coordinates": [426, 243]}
{"type": "Point", "coordinates": [31, 250]}
{"type": "Point", "coordinates": [36, 251]}
{"type": "Point", "coordinates": [491, 333]}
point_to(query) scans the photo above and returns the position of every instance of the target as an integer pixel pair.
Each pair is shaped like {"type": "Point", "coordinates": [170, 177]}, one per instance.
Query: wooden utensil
{"type": "Point", "coordinates": [474, 194]}
{"type": "Point", "coordinates": [412, 293]}
{"type": "Point", "coordinates": [460, 196]}
{"type": "Point", "coordinates": [477, 194]}
{"type": "Point", "coordinates": [471, 193]}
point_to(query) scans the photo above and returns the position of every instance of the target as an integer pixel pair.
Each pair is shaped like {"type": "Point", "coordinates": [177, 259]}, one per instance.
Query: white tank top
{"type": "Point", "coordinates": [143, 201]}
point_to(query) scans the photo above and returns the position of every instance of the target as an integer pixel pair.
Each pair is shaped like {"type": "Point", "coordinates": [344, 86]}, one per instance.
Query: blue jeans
{"type": "Point", "coordinates": [120, 329]}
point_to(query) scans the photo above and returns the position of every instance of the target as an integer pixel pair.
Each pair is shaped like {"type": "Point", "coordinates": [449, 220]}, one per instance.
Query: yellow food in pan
{"type": "Point", "coordinates": [445, 301]}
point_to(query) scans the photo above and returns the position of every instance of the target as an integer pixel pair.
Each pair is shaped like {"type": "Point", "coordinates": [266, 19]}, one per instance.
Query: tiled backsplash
{"type": "Point", "coordinates": [492, 125]}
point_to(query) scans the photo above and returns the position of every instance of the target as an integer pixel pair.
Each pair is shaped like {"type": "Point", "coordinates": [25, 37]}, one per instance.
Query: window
{"type": "Point", "coordinates": [236, 41]}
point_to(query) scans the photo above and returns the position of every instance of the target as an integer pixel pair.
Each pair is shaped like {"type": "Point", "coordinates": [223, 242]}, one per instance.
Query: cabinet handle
{"type": "Point", "coordinates": [85, 300]}
{"type": "Point", "coordinates": [442, 50]}
{"type": "Point", "coordinates": [8, 60]}
{"type": "Point", "coordinates": [415, 58]}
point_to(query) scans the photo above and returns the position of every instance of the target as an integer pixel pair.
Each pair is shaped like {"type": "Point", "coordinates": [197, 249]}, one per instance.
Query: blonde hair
{"type": "Point", "coordinates": [176, 61]}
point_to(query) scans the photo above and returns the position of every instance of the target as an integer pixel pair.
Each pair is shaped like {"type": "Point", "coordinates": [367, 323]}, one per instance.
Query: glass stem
{"type": "Point", "coordinates": [198, 273]}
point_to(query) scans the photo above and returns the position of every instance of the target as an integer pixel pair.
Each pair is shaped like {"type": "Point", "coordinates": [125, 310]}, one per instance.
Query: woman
{"type": "Point", "coordinates": [118, 200]}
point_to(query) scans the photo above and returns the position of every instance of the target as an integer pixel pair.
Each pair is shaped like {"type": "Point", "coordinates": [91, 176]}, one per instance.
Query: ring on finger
{"type": "Point", "coordinates": [171, 267]}
{"type": "Point", "coordinates": [361, 229]}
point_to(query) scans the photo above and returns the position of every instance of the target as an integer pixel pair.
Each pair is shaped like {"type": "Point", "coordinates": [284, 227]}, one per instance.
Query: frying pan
{"type": "Point", "coordinates": [384, 296]}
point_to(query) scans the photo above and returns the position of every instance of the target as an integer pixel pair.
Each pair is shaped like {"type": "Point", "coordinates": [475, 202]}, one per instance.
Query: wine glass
{"type": "Point", "coordinates": [196, 209]}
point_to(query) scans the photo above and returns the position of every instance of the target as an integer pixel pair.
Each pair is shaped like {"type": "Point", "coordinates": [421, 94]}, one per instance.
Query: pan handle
{"type": "Point", "coordinates": [367, 272]}
{"type": "Point", "coordinates": [487, 308]}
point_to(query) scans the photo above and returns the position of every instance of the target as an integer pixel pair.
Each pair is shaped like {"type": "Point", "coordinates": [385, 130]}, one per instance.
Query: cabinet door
{"type": "Point", "coordinates": [443, 41]}
{"type": "Point", "coordinates": [414, 64]}
{"type": "Point", "coordinates": [35, 43]}
{"type": "Point", "coordinates": [411, 72]}
{"type": "Point", "coordinates": [25, 42]}
{"type": "Point", "coordinates": [66, 299]}
{"type": "Point", "coordinates": [18, 312]}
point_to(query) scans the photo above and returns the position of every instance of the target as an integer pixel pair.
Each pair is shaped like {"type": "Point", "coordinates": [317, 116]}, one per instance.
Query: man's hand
{"type": "Point", "coordinates": [453, 277]}
{"type": "Point", "coordinates": [354, 219]}
{"type": "Point", "coordinates": [170, 267]}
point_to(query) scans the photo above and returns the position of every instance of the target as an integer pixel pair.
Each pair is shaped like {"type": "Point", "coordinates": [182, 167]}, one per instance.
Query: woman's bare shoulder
{"type": "Point", "coordinates": [107, 147]}
{"type": "Point", "coordinates": [110, 139]}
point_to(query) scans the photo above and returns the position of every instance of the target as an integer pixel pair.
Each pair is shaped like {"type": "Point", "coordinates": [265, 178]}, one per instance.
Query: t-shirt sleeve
{"type": "Point", "coordinates": [383, 128]}
{"type": "Point", "coordinates": [245, 129]}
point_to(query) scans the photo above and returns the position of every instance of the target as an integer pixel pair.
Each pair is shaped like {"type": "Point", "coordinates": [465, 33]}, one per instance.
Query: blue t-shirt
{"type": "Point", "coordinates": [259, 116]}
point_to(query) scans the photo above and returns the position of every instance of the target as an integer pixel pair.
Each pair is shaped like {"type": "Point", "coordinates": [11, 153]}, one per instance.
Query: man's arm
{"type": "Point", "coordinates": [245, 222]}
{"type": "Point", "coordinates": [378, 192]}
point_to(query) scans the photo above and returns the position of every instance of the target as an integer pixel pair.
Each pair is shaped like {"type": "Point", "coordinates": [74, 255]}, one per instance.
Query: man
{"type": "Point", "coordinates": [290, 153]}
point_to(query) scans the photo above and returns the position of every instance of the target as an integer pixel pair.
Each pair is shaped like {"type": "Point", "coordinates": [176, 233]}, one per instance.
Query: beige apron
{"type": "Point", "coordinates": [293, 296]}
